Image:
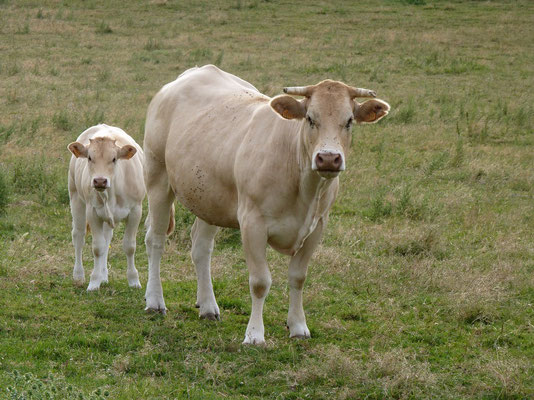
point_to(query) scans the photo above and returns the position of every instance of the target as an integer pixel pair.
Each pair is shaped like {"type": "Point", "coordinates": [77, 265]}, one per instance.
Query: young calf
{"type": "Point", "coordinates": [106, 185]}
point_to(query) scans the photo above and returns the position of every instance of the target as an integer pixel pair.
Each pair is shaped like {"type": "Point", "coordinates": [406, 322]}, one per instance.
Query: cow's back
{"type": "Point", "coordinates": [196, 125]}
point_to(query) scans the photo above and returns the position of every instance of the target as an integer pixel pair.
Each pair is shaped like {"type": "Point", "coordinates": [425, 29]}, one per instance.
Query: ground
{"type": "Point", "coordinates": [423, 286]}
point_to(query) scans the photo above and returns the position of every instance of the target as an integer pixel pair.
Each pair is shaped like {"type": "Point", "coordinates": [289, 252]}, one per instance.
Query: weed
{"type": "Point", "coordinates": [103, 28]}
{"type": "Point", "coordinates": [40, 14]}
{"type": "Point", "coordinates": [380, 207]}
{"type": "Point", "coordinates": [458, 157]}
{"type": "Point", "coordinates": [24, 30]}
{"type": "Point", "coordinates": [4, 192]}
{"type": "Point", "coordinates": [152, 44]}
{"type": "Point", "coordinates": [61, 120]}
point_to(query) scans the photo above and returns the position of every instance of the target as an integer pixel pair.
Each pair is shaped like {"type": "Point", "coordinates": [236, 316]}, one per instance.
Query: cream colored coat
{"type": "Point", "coordinates": [237, 158]}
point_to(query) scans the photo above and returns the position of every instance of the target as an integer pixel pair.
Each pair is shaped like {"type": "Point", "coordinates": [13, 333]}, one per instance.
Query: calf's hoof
{"type": "Point", "coordinates": [93, 286]}
{"type": "Point", "coordinates": [135, 285]}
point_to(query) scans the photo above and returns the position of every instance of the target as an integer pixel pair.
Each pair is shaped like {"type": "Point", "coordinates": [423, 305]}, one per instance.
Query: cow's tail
{"type": "Point", "coordinates": [170, 228]}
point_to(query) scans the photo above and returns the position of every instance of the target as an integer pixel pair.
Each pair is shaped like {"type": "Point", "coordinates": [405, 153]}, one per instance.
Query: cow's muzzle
{"type": "Point", "coordinates": [328, 163]}
{"type": "Point", "coordinates": [100, 183]}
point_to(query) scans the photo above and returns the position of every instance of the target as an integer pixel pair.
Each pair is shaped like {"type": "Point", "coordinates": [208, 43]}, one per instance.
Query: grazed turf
{"type": "Point", "coordinates": [423, 286]}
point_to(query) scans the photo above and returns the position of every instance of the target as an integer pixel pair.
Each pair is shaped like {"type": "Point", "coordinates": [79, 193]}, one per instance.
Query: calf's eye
{"type": "Point", "coordinates": [114, 159]}
{"type": "Point", "coordinates": [349, 123]}
{"type": "Point", "coordinates": [310, 121]}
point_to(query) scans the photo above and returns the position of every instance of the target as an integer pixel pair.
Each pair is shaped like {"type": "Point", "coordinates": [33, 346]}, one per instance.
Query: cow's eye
{"type": "Point", "coordinates": [89, 158]}
{"type": "Point", "coordinates": [114, 159]}
{"type": "Point", "coordinates": [310, 121]}
{"type": "Point", "coordinates": [349, 123]}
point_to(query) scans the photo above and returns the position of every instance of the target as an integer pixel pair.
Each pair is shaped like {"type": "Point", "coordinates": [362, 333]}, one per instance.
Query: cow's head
{"type": "Point", "coordinates": [102, 155]}
{"type": "Point", "coordinates": [330, 110]}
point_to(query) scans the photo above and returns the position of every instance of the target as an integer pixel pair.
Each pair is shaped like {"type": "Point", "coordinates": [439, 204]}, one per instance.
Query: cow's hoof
{"type": "Point", "coordinates": [162, 311]}
{"type": "Point", "coordinates": [254, 340]}
{"type": "Point", "coordinates": [301, 336]}
{"type": "Point", "coordinates": [197, 305]}
{"type": "Point", "coordinates": [299, 331]}
{"type": "Point", "coordinates": [211, 316]}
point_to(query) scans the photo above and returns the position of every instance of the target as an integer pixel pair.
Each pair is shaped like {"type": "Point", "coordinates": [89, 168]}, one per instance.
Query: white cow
{"type": "Point", "coordinates": [237, 158]}
{"type": "Point", "coordinates": [106, 186]}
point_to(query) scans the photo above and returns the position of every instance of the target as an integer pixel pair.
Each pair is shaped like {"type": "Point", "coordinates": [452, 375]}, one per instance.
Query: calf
{"type": "Point", "coordinates": [105, 186]}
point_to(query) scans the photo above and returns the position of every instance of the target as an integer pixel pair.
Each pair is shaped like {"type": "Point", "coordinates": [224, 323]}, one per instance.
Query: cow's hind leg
{"type": "Point", "coordinates": [78, 236]}
{"type": "Point", "coordinates": [129, 245]}
{"type": "Point", "coordinates": [160, 201]}
{"type": "Point", "coordinates": [202, 237]}
{"type": "Point", "coordinates": [298, 266]}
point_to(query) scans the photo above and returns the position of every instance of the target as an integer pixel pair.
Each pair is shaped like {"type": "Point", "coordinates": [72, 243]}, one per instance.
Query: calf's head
{"type": "Point", "coordinates": [329, 109]}
{"type": "Point", "coordinates": [102, 155]}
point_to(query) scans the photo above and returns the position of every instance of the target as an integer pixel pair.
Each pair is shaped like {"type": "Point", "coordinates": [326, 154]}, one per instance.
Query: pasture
{"type": "Point", "coordinates": [423, 286]}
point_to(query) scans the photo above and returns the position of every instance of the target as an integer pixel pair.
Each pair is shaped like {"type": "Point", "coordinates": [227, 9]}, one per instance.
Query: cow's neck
{"type": "Point", "coordinates": [312, 188]}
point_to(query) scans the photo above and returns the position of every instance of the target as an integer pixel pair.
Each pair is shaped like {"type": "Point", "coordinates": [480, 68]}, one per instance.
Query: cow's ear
{"type": "Point", "coordinates": [126, 152]}
{"type": "Point", "coordinates": [78, 149]}
{"type": "Point", "coordinates": [370, 111]}
{"type": "Point", "coordinates": [289, 107]}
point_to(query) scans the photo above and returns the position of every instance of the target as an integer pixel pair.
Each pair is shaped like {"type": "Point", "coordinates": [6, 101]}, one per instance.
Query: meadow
{"type": "Point", "coordinates": [423, 286]}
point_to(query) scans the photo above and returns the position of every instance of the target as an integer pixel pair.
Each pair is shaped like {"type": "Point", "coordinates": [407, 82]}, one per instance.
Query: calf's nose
{"type": "Point", "coordinates": [328, 161]}
{"type": "Point", "coordinates": [100, 183]}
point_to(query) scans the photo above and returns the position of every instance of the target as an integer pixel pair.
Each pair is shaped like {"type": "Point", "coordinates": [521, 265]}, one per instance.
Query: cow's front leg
{"type": "Point", "coordinates": [298, 266]}
{"type": "Point", "coordinates": [129, 245]}
{"type": "Point", "coordinates": [100, 247]}
{"type": "Point", "coordinates": [202, 237]}
{"type": "Point", "coordinates": [254, 236]}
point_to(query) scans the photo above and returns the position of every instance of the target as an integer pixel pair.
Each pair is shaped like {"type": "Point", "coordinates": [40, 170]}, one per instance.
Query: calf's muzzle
{"type": "Point", "coordinates": [100, 183]}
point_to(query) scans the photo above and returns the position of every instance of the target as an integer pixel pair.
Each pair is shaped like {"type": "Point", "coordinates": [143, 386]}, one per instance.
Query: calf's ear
{"type": "Point", "coordinates": [370, 111]}
{"type": "Point", "coordinates": [78, 149]}
{"type": "Point", "coordinates": [289, 107]}
{"type": "Point", "coordinates": [126, 152]}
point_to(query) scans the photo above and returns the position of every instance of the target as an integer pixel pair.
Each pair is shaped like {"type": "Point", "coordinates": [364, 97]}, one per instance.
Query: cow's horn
{"type": "Point", "coordinates": [359, 92]}
{"type": "Point", "coordinates": [299, 90]}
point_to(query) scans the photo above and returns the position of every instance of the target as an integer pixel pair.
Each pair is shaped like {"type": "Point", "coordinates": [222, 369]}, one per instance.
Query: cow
{"type": "Point", "coordinates": [106, 185]}
{"type": "Point", "coordinates": [239, 159]}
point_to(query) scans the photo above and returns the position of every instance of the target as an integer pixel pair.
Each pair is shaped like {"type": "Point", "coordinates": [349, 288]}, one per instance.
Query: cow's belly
{"type": "Point", "coordinates": [208, 199]}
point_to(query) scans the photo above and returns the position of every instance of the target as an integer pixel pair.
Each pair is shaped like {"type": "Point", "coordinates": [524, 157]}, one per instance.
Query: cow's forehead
{"type": "Point", "coordinates": [330, 98]}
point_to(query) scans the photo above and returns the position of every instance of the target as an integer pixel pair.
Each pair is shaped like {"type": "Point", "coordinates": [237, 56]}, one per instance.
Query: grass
{"type": "Point", "coordinates": [424, 283]}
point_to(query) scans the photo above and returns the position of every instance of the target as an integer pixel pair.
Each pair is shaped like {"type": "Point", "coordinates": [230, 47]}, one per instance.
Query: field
{"type": "Point", "coordinates": [423, 286]}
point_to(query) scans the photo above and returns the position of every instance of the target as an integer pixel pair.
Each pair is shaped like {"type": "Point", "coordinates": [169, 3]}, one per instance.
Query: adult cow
{"type": "Point", "coordinates": [237, 158]}
{"type": "Point", "coordinates": [106, 185]}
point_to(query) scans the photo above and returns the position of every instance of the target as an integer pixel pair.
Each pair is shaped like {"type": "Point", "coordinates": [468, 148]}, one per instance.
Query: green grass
{"type": "Point", "coordinates": [424, 284]}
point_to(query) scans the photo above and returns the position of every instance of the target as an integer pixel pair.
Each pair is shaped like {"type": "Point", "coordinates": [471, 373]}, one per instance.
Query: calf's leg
{"type": "Point", "coordinates": [129, 245]}
{"type": "Point", "coordinates": [202, 237]}
{"type": "Point", "coordinates": [100, 251]}
{"type": "Point", "coordinates": [78, 236]}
